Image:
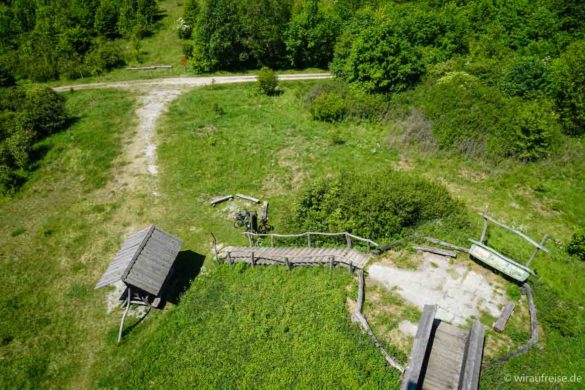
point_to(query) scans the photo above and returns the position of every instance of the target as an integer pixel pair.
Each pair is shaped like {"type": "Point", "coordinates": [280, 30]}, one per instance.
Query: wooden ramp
{"type": "Point", "coordinates": [444, 356]}
{"type": "Point", "coordinates": [294, 256]}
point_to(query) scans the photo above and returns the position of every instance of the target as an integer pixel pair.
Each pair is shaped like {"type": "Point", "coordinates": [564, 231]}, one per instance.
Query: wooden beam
{"type": "Point", "coordinates": [248, 197]}
{"type": "Point", "coordinates": [412, 375]}
{"type": "Point", "coordinates": [446, 244]}
{"type": "Point", "coordinates": [437, 251]}
{"type": "Point", "coordinates": [542, 242]}
{"type": "Point", "coordinates": [469, 379]}
{"type": "Point", "coordinates": [500, 324]}
{"type": "Point", "coordinates": [517, 232]}
{"type": "Point", "coordinates": [221, 199]}
{"type": "Point", "coordinates": [348, 240]}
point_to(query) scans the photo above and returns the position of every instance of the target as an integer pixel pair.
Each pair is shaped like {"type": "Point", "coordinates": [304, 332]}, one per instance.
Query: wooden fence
{"type": "Point", "coordinates": [349, 238]}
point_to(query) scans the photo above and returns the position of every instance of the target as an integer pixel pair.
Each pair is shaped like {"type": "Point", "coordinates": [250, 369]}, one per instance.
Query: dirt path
{"type": "Point", "coordinates": [154, 97]}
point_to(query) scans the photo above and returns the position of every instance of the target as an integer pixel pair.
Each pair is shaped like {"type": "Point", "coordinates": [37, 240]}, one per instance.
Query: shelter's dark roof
{"type": "Point", "coordinates": [144, 261]}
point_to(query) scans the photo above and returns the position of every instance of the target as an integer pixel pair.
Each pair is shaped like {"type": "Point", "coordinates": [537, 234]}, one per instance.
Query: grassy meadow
{"type": "Point", "coordinates": [237, 327]}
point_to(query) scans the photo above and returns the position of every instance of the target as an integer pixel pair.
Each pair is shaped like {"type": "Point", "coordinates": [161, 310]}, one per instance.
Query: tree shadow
{"type": "Point", "coordinates": [186, 268]}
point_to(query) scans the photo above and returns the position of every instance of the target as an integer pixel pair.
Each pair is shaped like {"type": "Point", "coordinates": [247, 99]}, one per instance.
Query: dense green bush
{"type": "Point", "coordinates": [328, 107]}
{"type": "Point", "coordinates": [576, 246]}
{"type": "Point", "coordinates": [569, 87]}
{"type": "Point", "coordinates": [25, 118]}
{"type": "Point", "coordinates": [105, 56]}
{"type": "Point", "coordinates": [380, 206]}
{"type": "Point", "coordinates": [267, 81]}
{"type": "Point", "coordinates": [526, 77]}
{"type": "Point", "coordinates": [480, 121]}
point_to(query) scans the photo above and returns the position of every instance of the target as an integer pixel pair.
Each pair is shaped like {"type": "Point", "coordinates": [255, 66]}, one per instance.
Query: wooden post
{"type": "Point", "coordinates": [128, 299]}
{"type": "Point", "coordinates": [368, 246]}
{"type": "Point", "coordinates": [348, 240]}
{"type": "Point", "coordinates": [542, 242]}
{"type": "Point", "coordinates": [249, 238]}
{"type": "Point", "coordinates": [331, 262]}
{"type": "Point", "coordinates": [229, 257]}
{"type": "Point", "coordinates": [484, 232]}
{"type": "Point", "coordinates": [272, 240]}
{"type": "Point", "coordinates": [309, 239]}
{"type": "Point", "coordinates": [351, 267]}
{"type": "Point", "coordinates": [252, 259]}
{"type": "Point", "coordinates": [287, 263]}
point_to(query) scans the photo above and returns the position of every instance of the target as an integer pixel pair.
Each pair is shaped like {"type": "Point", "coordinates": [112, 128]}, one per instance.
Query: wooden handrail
{"type": "Point", "coordinates": [307, 234]}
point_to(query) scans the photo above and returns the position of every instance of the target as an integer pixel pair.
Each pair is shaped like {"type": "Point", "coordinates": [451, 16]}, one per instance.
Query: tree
{"type": "Point", "coordinates": [379, 60]}
{"type": "Point", "coordinates": [311, 36]}
{"type": "Point", "coordinates": [218, 41]}
{"type": "Point", "coordinates": [106, 19]}
{"type": "Point", "coordinates": [568, 80]}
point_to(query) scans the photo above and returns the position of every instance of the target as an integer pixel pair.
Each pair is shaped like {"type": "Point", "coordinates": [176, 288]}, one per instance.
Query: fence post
{"type": "Point", "coordinates": [309, 239]}
{"type": "Point", "coordinates": [249, 238]}
{"type": "Point", "coordinates": [272, 240]}
{"type": "Point", "coordinates": [348, 240]}
{"type": "Point", "coordinates": [331, 262]}
{"type": "Point", "coordinates": [287, 263]}
{"type": "Point", "coordinates": [351, 267]}
{"type": "Point", "coordinates": [252, 258]}
{"type": "Point", "coordinates": [484, 231]}
{"type": "Point", "coordinates": [229, 256]}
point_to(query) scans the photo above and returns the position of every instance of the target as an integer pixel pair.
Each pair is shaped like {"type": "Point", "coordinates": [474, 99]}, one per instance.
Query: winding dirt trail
{"type": "Point", "coordinates": [154, 97]}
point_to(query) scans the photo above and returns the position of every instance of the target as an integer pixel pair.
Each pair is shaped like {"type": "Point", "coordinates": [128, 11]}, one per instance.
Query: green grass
{"type": "Point", "coordinates": [262, 328]}
{"type": "Point", "coordinates": [54, 237]}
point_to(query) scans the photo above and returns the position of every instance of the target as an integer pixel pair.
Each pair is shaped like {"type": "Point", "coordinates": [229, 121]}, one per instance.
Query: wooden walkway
{"type": "Point", "coordinates": [294, 256]}
{"type": "Point", "coordinates": [444, 356]}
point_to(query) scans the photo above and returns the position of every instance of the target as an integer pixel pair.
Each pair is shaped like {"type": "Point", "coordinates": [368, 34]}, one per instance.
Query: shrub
{"type": "Point", "coordinates": [6, 78]}
{"type": "Point", "coordinates": [187, 49]}
{"type": "Point", "coordinates": [381, 206]}
{"type": "Point", "coordinates": [105, 57]}
{"type": "Point", "coordinates": [576, 246]}
{"type": "Point", "coordinates": [526, 77]}
{"type": "Point", "coordinates": [267, 81]}
{"type": "Point", "coordinates": [480, 121]}
{"type": "Point", "coordinates": [328, 107]}
{"type": "Point", "coordinates": [44, 111]}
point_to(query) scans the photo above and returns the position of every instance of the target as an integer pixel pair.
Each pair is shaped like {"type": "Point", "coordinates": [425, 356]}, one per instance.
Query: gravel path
{"type": "Point", "coordinates": [154, 97]}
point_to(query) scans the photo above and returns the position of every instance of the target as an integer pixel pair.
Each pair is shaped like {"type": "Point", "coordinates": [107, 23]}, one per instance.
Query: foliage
{"type": "Point", "coordinates": [311, 36]}
{"type": "Point", "coordinates": [380, 61]}
{"type": "Point", "coordinates": [25, 118]}
{"type": "Point", "coordinates": [380, 206]}
{"type": "Point", "coordinates": [527, 77]}
{"type": "Point", "coordinates": [480, 121]}
{"type": "Point", "coordinates": [190, 13]}
{"type": "Point", "coordinates": [569, 87]}
{"type": "Point", "coordinates": [6, 79]}
{"type": "Point", "coordinates": [45, 40]}
{"type": "Point", "coordinates": [267, 81]}
{"type": "Point", "coordinates": [576, 246]}
{"type": "Point", "coordinates": [328, 107]}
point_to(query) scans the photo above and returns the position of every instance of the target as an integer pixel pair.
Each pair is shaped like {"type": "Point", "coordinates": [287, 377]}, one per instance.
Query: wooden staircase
{"type": "Point", "coordinates": [295, 256]}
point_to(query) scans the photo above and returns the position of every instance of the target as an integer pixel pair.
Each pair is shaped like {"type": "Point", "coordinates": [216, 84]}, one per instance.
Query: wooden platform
{"type": "Point", "coordinates": [295, 256]}
{"type": "Point", "coordinates": [446, 358]}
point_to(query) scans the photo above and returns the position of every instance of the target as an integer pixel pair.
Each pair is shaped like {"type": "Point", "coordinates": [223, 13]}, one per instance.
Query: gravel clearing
{"type": "Point", "coordinates": [459, 292]}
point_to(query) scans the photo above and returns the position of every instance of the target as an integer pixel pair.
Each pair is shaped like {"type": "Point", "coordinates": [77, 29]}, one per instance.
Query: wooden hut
{"type": "Point", "coordinates": [143, 264]}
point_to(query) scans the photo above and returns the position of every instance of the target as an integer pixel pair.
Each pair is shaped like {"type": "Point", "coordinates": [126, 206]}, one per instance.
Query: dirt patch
{"type": "Point", "coordinates": [459, 295]}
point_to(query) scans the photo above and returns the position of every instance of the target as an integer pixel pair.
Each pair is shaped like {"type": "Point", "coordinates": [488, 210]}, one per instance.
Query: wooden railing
{"type": "Point", "coordinates": [348, 237]}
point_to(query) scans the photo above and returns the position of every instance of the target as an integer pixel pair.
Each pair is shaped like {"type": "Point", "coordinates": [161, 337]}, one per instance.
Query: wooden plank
{"type": "Point", "coordinates": [412, 376]}
{"type": "Point", "coordinates": [446, 244]}
{"type": "Point", "coordinates": [500, 324]}
{"type": "Point", "coordinates": [151, 67]}
{"type": "Point", "coordinates": [436, 251]}
{"type": "Point", "coordinates": [445, 361]}
{"type": "Point", "coordinates": [472, 358]}
{"type": "Point", "coordinates": [519, 233]}
{"type": "Point", "coordinates": [221, 199]}
{"type": "Point", "coordinates": [248, 197]}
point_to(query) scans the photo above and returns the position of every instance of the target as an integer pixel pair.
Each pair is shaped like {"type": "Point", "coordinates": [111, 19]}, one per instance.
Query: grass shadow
{"type": "Point", "coordinates": [186, 268]}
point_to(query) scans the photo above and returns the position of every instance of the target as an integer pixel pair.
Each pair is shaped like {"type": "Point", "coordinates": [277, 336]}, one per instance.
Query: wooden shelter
{"type": "Point", "coordinates": [143, 264]}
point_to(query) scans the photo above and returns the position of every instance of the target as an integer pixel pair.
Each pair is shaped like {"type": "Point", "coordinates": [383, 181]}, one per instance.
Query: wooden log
{"type": "Point", "coordinates": [348, 240]}
{"type": "Point", "coordinates": [517, 232]}
{"type": "Point", "coordinates": [436, 251]}
{"type": "Point", "coordinates": [412, 378]}
{"type": "Point", "coordinates": [221, 199]}
{"type": "Point", "coordinates": [248, 197]}
{"type": "Point", "coordinates": [542, 242]}
{"type": "Point", "coordinates": [264, 215]}
{"type": "Point", "coordinates": [151, 67]}
{"type": "Point", "coordinates": [500, 324]}
{"type": "Point", "coordinates": [469, 378]}
{"type": "Point", "coordinates": [446, 244]}
{"type": "Point", "coordinates": [484, 231]}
